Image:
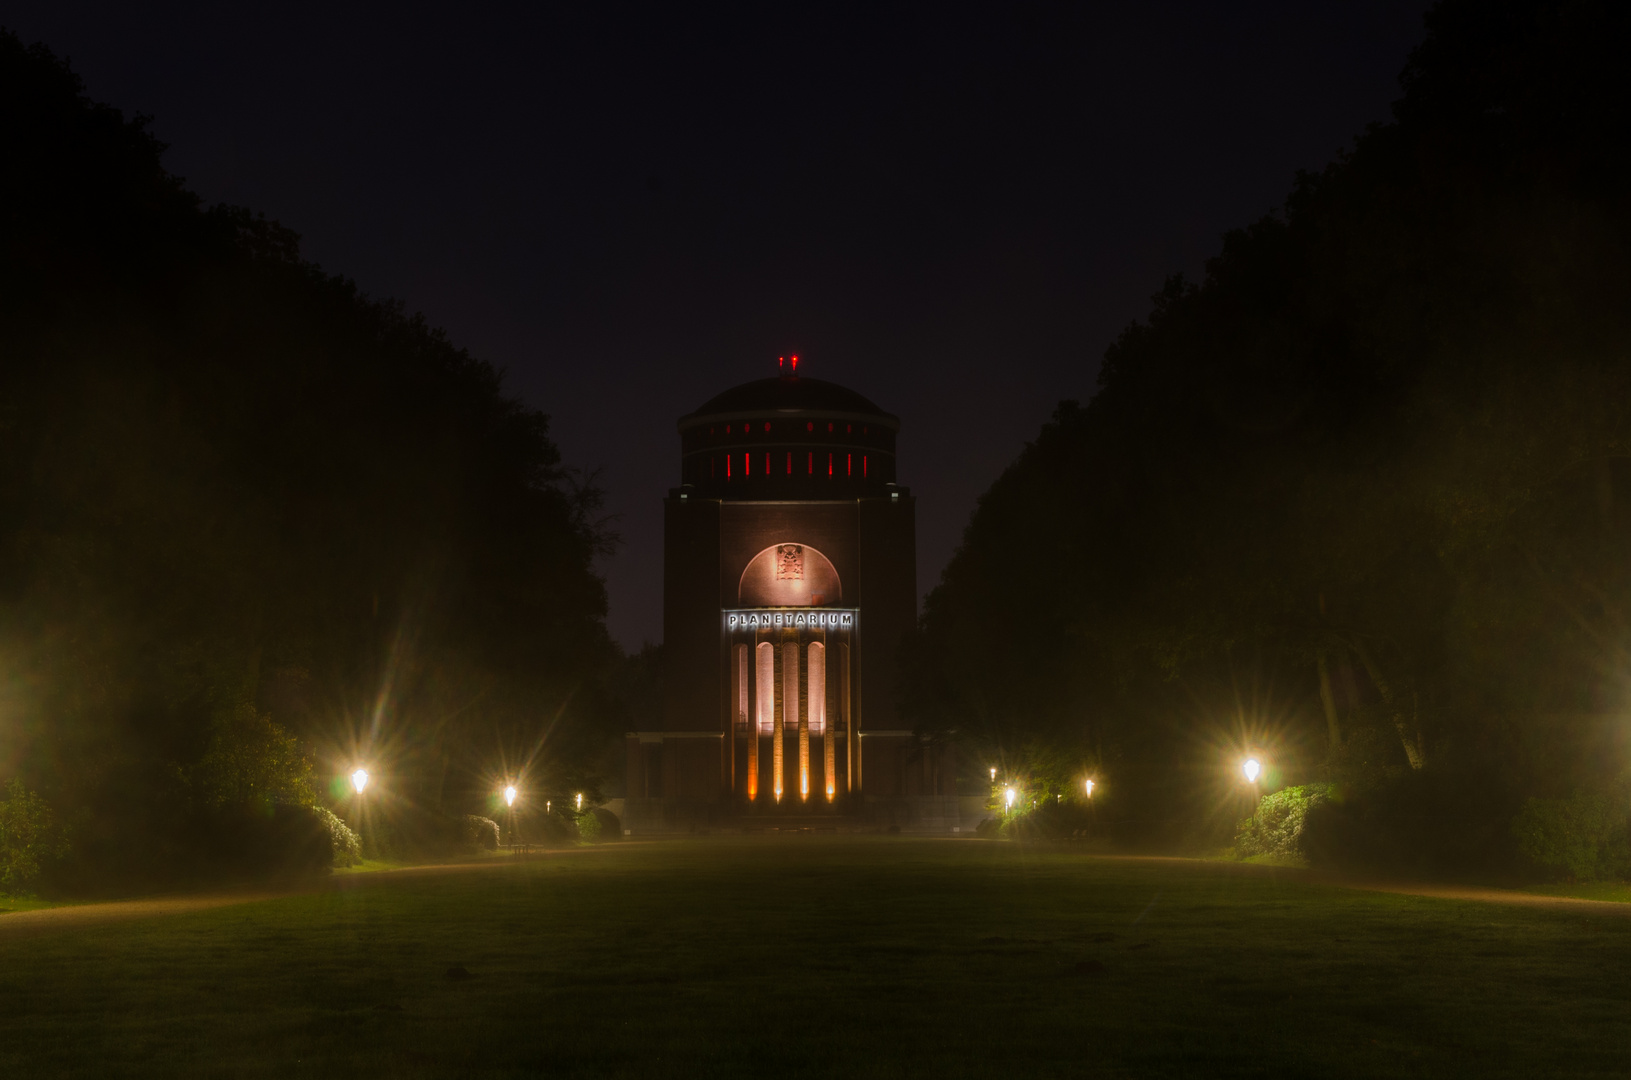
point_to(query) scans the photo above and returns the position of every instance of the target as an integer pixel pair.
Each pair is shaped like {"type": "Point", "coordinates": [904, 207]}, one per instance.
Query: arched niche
{"type": "Point", "coordinates": [789, 575]}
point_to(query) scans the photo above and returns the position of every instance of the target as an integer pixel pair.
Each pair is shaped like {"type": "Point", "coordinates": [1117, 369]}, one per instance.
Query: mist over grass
{"type": "Point", "coordinates": [865, 957]}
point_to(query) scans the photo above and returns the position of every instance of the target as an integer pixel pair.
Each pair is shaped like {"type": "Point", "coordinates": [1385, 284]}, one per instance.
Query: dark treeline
{"type": "Point", "coordinates": [252, 520]}
{"type": "Point", "coordinates": [1360, 500]}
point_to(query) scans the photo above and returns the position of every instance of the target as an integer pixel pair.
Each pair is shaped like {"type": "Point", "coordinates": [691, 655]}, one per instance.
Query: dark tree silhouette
{"type": "Point", "coordinates": [1354, 493]}
{"type": "Point", "coordinates": [229, 480]}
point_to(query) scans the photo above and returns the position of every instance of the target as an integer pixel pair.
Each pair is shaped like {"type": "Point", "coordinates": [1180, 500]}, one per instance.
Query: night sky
{"type": "Point", "coordinates": [953, 211]}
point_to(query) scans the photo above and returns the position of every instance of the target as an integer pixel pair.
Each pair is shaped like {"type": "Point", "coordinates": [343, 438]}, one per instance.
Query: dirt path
{"type": "Point", "coordinates": [1483, 895]}
{"type": "Point", "coordinates": [77, 915]}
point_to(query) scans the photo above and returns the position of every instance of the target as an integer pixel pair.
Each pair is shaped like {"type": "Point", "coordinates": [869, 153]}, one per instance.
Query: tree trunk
{"type": "Point", "coordinates": [1333, 729]}
{"type": "Point", "coordinates": [1411, 742]}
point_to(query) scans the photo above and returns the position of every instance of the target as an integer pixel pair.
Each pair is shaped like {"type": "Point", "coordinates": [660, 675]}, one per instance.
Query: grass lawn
{"type": "Point", "coordinates": [812, 956]}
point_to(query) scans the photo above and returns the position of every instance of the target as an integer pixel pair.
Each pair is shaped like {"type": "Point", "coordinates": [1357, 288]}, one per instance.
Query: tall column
{"type": "Point", "coordinates": [804, 744]}
{"type": "Point", "coordinates": [765, 714]}
{"type": "Point", "coordinates": [852, 738]}
{"type": "Point", "coordinates": [792, 717]}
{"type": "Point", "coordinates": [743, 718]}
{"type": "Point", "coordinates": [818, 712]}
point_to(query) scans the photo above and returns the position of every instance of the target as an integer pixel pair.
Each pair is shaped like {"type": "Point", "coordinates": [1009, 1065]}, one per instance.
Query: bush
{"type": "Point", "coordinates": [611, 827]}
{"type": "Point", "coordinates": [251, 761]}
{"type": "Point", "coordinates": [478, 833]}
{"type": "Point", "coordinates": [1051, 819]}
{"type": "Point", "coordinates": [552, 828]}
{"type": "Point", "coordinates": [345, 844]}
{"type": "Point", "coordinates": [30, 836]}
{"type": "Point", "coordinates": [383, 838]}
{"type": "Point", "coordinates": [1276, 827]}
{"type": "Point", "coordinates": [588, 827]}
{"type": "Point", "coordinates": [1433, 822]}
{"type": "Point", "coordinates": [282, 842]}
{"type": "Point", "coordinates": [1582, 838]}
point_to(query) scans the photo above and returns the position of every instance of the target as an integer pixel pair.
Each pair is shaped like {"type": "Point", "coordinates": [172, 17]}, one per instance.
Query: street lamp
{"type": "Point", "coordinates": [580, 802]}
{"type": "Point", "coordinates": [1252, 769]}
{"type": "Point", "coordinates": [515, 833]}
{"type": "Point", "coordinates": [1089, 786]}
{"type": "Point", "coordinates": [1011, 797]}
{"type": "Point", "coordinates": [359, 780]}
{"type": "Point", "coordinates": [993, 774]}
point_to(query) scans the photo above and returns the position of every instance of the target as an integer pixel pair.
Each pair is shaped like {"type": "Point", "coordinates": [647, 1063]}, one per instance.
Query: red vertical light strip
{"type": "Point", "coordinates": [863, 465]}
{"type": "Point", "coordinates": [849, 464]}
{"type": "Point", "coordinates": [789, 463]}
{"type": "Point", "coordinates": [747, 464]}
{"type": "Point", "coordinates": [767, 462]}
{"type": "Point", "coordinates": [829, 464]}
{"type": "Point", "coordinates": [727, 466]}
{"type": "Point", "coordinates": [810, 465]}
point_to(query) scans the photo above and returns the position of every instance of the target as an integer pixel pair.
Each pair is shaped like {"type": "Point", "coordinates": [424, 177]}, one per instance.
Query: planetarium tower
{"type": "Point", "coordinates": [789, 579]}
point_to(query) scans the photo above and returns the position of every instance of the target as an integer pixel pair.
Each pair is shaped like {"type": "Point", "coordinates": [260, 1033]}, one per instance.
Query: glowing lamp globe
{"type": "Point", "coordinates": [509, 795]}
{"type": "Point", "coordinates": [359, 780]}
{"type": "Point", "coordinates": [1011, 798]}
{"type": "Point", "coordinates": [1090, 789]}
{"type": "Point", "coordinates": [1252, 768]}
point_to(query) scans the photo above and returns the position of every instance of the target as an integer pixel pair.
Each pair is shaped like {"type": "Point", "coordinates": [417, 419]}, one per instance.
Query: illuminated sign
{"type": "Point", "coordinates": [782, 618]}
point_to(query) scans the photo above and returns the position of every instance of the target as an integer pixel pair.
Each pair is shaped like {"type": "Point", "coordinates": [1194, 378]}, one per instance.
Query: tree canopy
{"type": "Point", "coordinates": [1351, 498]}
{"type": "Point", "coordinates": [235, 492]}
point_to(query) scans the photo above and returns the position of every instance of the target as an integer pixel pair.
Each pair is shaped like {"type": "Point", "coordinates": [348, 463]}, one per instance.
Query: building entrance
{"type": "Point", "coordinates": [792, 737]}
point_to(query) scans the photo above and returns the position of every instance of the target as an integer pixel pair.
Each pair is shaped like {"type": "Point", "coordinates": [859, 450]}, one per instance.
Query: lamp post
{"type": "Point", "coordinates": [1252, 769]}
{"type": "Point", "coordinates": [509, 803]}
{"type": "Point", "coordinates": [359, 781]}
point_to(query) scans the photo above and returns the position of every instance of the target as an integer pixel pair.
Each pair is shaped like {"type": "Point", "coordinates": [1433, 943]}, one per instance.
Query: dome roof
{"type": "Point", "coordinates": [789, 394]}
